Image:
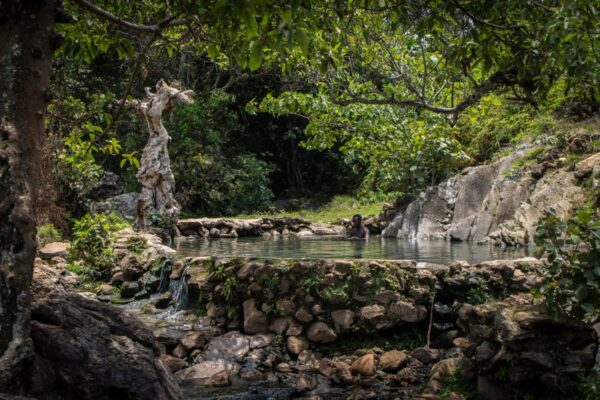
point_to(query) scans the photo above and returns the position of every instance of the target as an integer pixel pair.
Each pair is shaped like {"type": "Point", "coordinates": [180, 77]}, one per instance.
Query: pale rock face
{"type": "Point", "coordinates": [496, 203]}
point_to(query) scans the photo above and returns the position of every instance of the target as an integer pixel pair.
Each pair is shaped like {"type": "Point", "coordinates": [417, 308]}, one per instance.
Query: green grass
{"type": "Point", "coordinates": [334, 211]}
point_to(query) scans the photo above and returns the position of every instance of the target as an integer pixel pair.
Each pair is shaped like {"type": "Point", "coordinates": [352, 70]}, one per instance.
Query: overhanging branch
{"type": "Point", "coordinates": [496, 81]}
{"type": "Point", "coordinates": [130, 26]}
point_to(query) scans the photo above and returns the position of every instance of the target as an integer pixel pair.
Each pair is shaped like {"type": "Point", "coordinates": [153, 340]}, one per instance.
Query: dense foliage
{"type": "Point", "coordinates": [572, 286]}
{"type": "Point", "coordinates": [215, 176]}
{"type": "Point", "coordinates": [375, 99]}
{"type": "Point", "coordinates": [91, 253]}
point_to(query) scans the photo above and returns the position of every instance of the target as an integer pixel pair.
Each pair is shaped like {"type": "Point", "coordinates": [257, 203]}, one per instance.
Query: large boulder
{"type": "Point", "coordinates": [109, 186]}
{"type": "Point", "coordinates": [55, 249]}
{"type": "Point", "coordinates": [92, 350]}
{"type": "Point", "coordinates": [122, 205]}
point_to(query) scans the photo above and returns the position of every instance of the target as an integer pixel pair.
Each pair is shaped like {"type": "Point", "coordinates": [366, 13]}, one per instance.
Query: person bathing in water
{"type": "Point", "coordinates": [358, 230]}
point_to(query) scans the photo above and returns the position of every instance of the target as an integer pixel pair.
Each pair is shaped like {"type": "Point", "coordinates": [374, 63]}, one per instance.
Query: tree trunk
{"type": "Point", "coordinates": [25, 68]}
{"type": "Point", "coordinates": [157, 209]}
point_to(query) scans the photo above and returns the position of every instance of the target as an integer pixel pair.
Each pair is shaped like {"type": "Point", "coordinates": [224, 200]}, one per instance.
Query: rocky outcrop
{"type": "Point", "coordinates": [122, 205]}
{"type": "Point", "coordinates": [500, 202]}
{"type": "Point", "coordinates": [232, 228]}
{"type": "Point", "coordinates": [109, 186]}
{"type": "Point", "coordinates": [89, 350]}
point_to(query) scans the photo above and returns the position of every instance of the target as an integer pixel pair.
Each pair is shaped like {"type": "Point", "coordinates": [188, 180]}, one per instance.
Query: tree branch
{"type": "Point", "coordinates": [503, 78]}
{"type": "Point", "coordinates": [130, 26]}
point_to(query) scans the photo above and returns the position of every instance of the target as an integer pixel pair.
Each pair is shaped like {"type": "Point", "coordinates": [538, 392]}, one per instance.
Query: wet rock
{"type": "Point", "coordinates": [255, 321]}
{"type": "Point", "coordinates": [131, 267]}
{"type": "Point", "coordinates": [117, 278]}
{"type": "Point", "coordinates": [105, 289]}
{"type": "Point", "coordinates": [163, 300]}
{"type": "Point", "coordinates": [173, 363]}
{"type": "Point", "coordinates": [320, 332]}
{"type": "Point", "coordinates": [143, 294]}
{"type": "Point", "coordinates": [129, 289]}
{"type": "Point", "coordinates": [192, 340]}
{"type": "Point", "coordinates": [232, 346]}
{"type": "Point", "coordinates": [201, 373]}
{"type": "Point", "coordinates": [393, 360]}
{"type": "Point", "coordinates": [343, 319]}
{"type": "Point", "coordinates": [179, 351]}
{"type": "Point", "coordinates": [364, 365]}
{"type": "Point", "coordinates": [296, 344]}
{"type": "Point", "coordinates": [218, 379]}
{"type": "Point", "coordinates": [252, 375]}
{"type": "Point", "coordinates": [55, 249]}
{"type": "Point", "coordinates": [83, 339]}
{"type": "Point", "coordinates": [407, 312]}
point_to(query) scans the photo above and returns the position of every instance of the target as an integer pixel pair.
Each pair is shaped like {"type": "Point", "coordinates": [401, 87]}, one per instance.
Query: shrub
{"type": "Point", "coordinates": [91, 253]}
{"type": "Point", "coordinates": [47, 233]}
{"type": "Point", "coordinates": [571, 285]}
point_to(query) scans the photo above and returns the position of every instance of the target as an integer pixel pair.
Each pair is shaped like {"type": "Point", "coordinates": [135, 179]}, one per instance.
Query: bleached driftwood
{"type": "Point", "coordinates": [157, 209]}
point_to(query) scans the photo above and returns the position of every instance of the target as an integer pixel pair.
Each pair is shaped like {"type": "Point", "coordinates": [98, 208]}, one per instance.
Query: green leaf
{"type": "Point", "coordinates": [302, 41]}
{"type": "Point", "coordinates": [255, 56]}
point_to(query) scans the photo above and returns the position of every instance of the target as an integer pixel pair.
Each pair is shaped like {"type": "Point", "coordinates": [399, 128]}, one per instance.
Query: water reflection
{"type": "Point", "coordinates": [435, 251]}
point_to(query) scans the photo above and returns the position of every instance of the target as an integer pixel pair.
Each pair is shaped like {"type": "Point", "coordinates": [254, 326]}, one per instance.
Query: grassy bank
{"type": "Point", "coordinates": [336, 209]}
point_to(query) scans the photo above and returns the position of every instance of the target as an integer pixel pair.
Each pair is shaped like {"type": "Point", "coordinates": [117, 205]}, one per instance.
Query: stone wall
{"type": "Point", "coordinates": [232, 228]}
{"type": "Point", "coordinates": [482, 318]}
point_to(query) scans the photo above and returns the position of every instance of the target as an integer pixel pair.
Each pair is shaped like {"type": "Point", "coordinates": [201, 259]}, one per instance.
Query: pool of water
{"type": "Point", "coordinates": [434, 251]}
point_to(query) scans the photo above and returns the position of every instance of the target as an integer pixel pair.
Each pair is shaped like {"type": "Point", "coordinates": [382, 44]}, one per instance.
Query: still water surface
{"type": "Point", "coordinates": [434, 251]}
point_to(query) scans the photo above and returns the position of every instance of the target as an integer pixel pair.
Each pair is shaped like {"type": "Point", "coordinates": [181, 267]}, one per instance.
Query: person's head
{"type": "Point", "coordinates": [357, 220]}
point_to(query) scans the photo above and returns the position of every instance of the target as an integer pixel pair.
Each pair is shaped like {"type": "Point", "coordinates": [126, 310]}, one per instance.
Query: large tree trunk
{"type": "Point", "coordinates": [157, 209]}
{"type": "Point", "coordinates": [25, 68]}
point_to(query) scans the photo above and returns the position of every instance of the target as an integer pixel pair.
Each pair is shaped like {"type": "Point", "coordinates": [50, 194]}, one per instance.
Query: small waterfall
{"type": "Point", "coordinates": [179, 289]}
{"type": "Point", "coordinates": [165, 270]}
